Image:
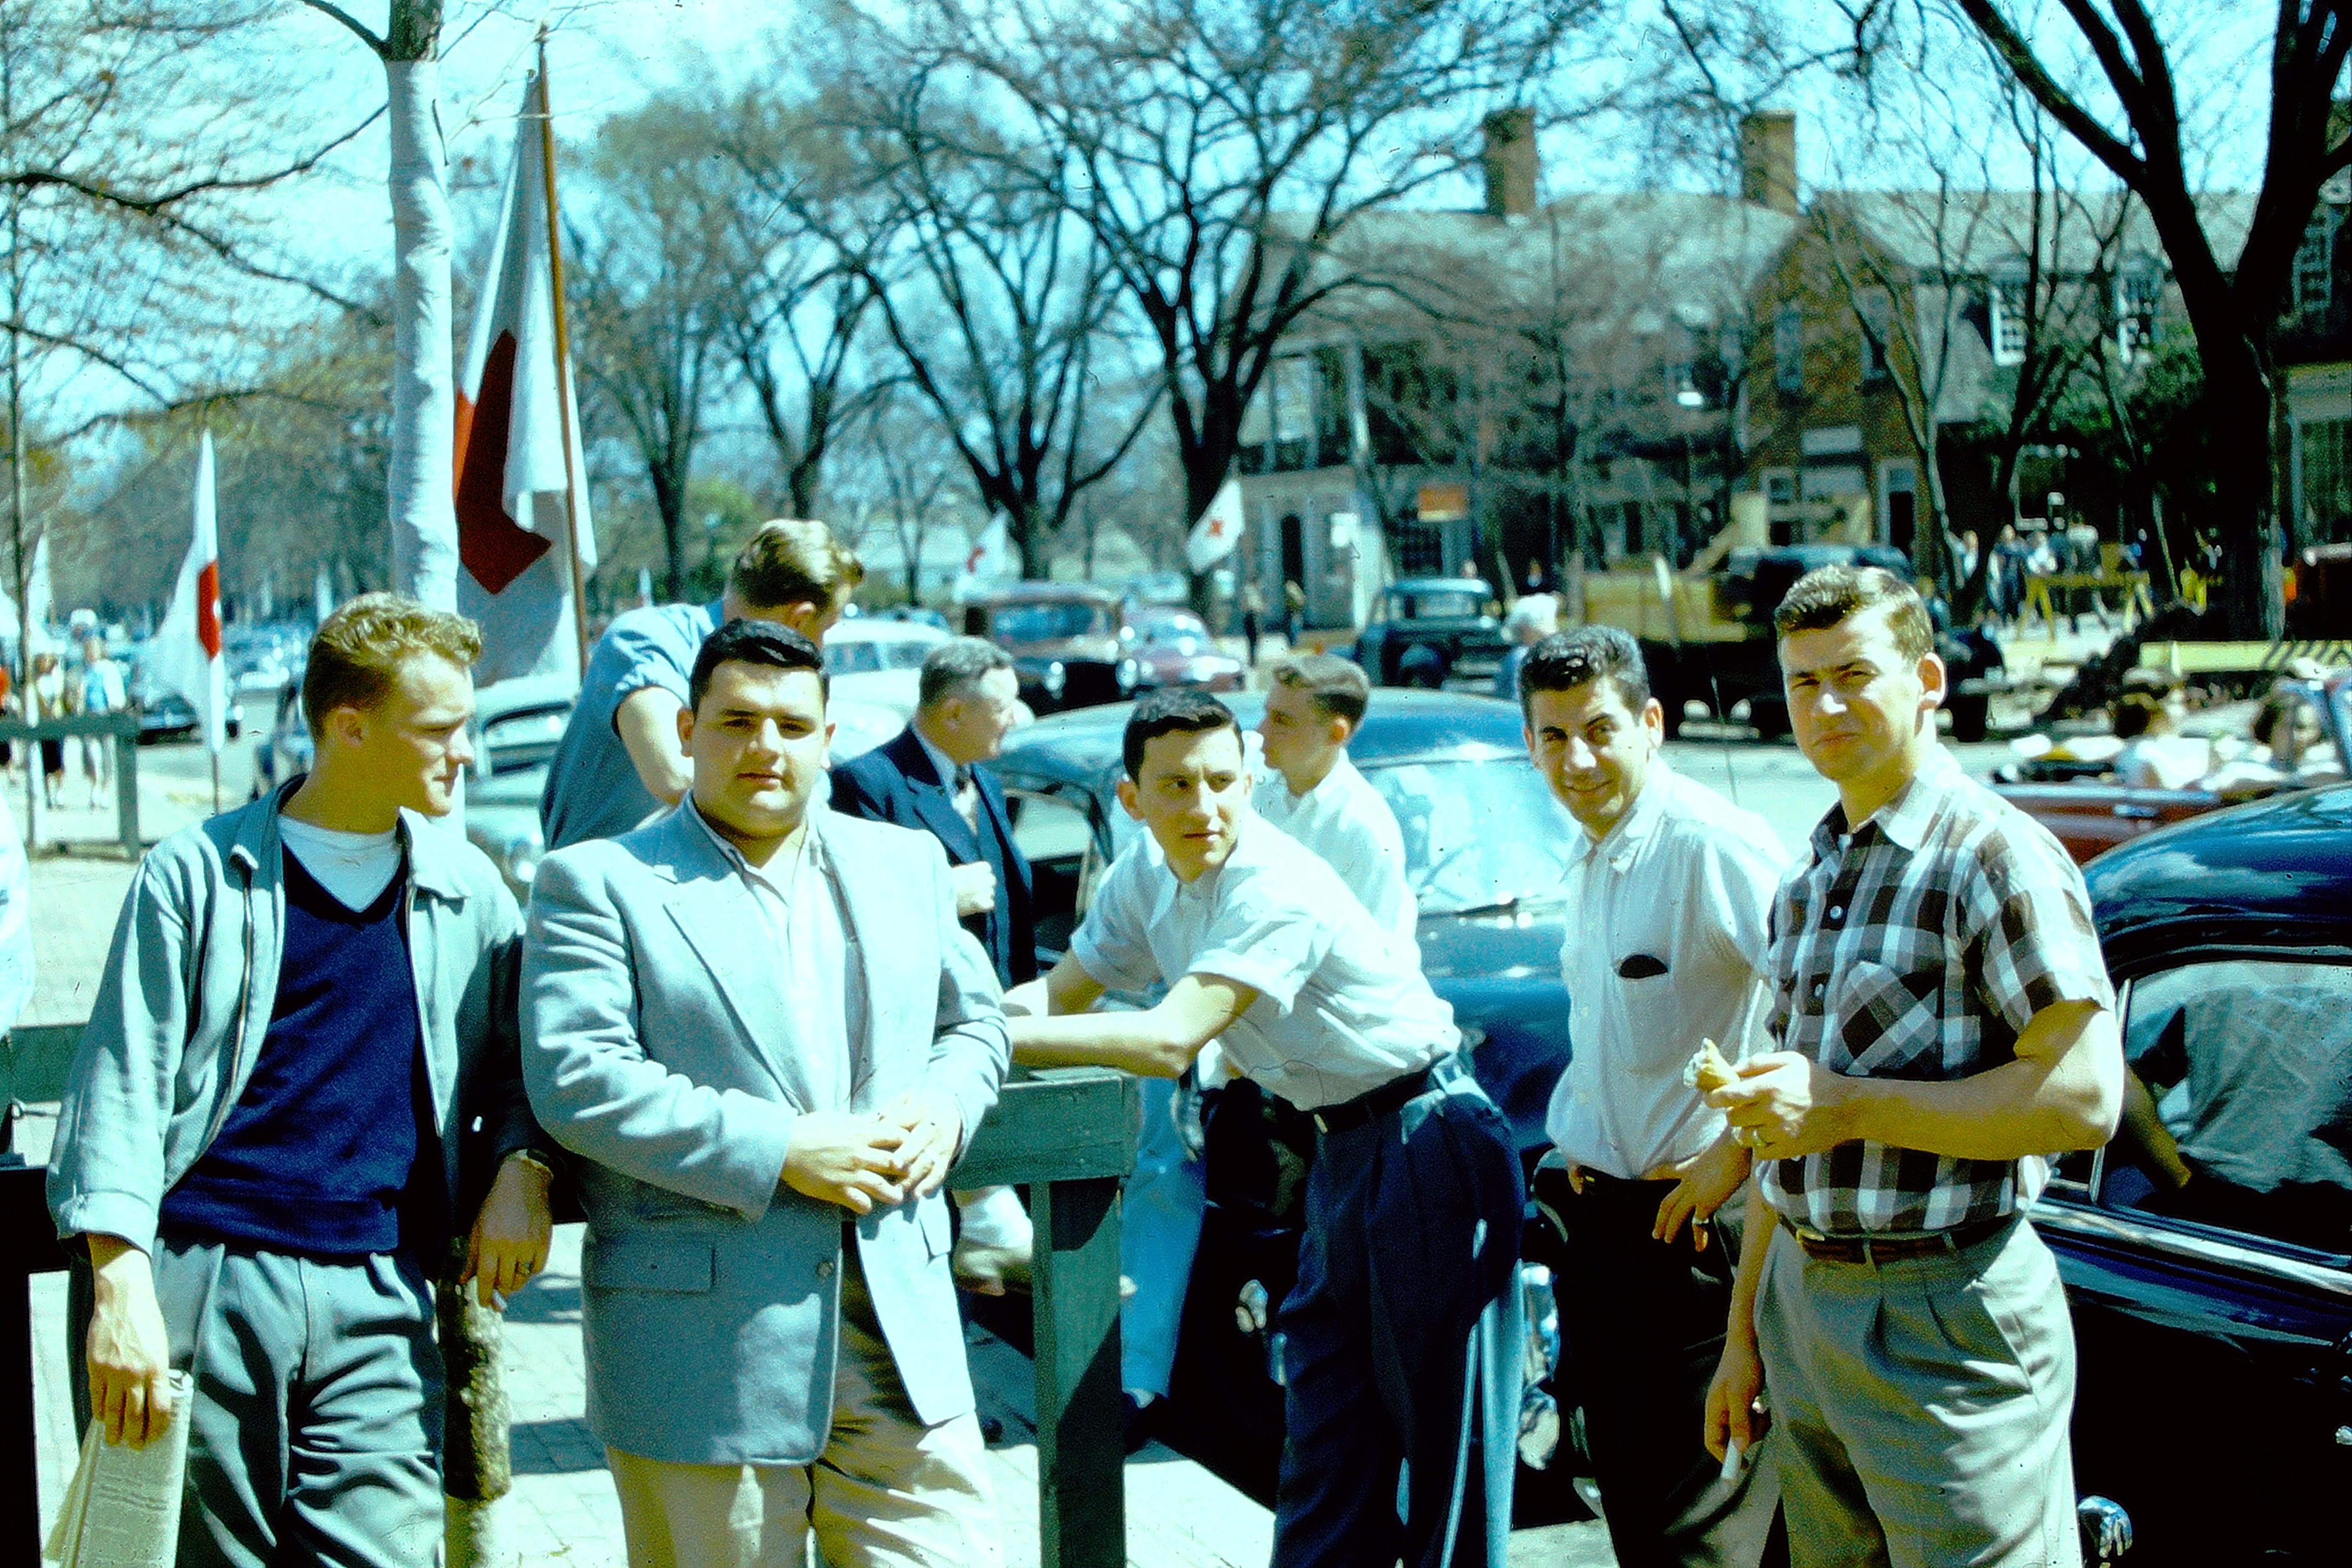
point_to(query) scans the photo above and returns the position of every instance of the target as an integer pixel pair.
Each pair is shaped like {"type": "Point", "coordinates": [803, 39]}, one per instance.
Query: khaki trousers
{"type": "Point", "coordinates": [1920, 1406]}
{"type": "Point", "coordinates": [887, 1492]}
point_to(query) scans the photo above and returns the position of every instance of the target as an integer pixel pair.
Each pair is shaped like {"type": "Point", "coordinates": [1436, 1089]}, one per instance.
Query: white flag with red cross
{"type": "Point", "coordinates": [510, 469]}
{"type": "Point", "coordinates": [1219, 531]}
{"type": "Point", "coordinates": [185, 655]}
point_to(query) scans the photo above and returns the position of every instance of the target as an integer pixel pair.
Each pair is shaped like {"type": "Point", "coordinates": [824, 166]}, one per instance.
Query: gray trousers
{"type": "Point", "coordinates": [316, 1419]}
{"type": "Point", "coordinates": [1921, 1405]}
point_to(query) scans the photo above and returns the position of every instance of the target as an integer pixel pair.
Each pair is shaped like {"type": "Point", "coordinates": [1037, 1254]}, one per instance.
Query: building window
{"type": "Point", "coordinates": [2314, 263]}
{"type": "Point", "coordinates": [1874, 309]}
{"type": "Point", "coordinates": [2324, 503]}
{"type": "Point", "coordinates": [2006, 300]}
{"type": "Point", "coordinates": [1294, 413]}
{"type": "Point", "coordinates": [1780, 487]}
{"type": "Point", "coordinates": [2139, 290]}
{"type": "Point", "coordinates": [1789, 348]}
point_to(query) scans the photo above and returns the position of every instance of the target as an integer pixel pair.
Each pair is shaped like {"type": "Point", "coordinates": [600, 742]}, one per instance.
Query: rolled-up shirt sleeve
{"type": "Point", "coordinates": [2031, 915]}
{"type": "Point", "coordinates": [1260, 939]}
{"type": "Point", "coordinates": [1110, 943]}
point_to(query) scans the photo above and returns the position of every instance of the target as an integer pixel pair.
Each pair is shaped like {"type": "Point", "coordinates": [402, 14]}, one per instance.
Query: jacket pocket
{"type": "Point", "coordinates": [676, 1265]}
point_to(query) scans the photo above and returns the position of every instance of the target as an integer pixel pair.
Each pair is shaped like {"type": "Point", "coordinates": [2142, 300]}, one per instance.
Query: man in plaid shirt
{"type": "Point", "coordinates": [1946, 1026]}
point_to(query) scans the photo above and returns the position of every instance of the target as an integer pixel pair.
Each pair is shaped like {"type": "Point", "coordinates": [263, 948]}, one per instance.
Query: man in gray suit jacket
{"type": "Point", "coordinates": [767, 1036]}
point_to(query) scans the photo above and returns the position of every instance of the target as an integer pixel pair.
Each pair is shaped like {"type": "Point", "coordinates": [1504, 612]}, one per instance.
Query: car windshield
{"type": "Point", "coordinates": [1047, 622]}
{"type": "Point", "coordinates": [1468, 844]}
{"type": "Point", "coordinates": [1433, 606]}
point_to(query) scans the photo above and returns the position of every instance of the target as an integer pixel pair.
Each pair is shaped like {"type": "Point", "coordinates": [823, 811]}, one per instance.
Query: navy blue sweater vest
{"type": "Point", "coordinates": [330, 1150]}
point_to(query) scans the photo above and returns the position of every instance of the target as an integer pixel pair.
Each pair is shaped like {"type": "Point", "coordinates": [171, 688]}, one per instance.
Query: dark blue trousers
{"type": "Point", "coordinates": [1413, 1227]}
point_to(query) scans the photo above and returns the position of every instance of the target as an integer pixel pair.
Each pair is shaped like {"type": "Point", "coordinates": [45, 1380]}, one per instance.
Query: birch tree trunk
{"type": "Point", "coordinates": [424, 408]}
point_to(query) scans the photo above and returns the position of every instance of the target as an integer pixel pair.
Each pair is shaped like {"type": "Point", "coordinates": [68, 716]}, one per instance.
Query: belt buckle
{"type": "Point", "coordinates": [1320, 1125]}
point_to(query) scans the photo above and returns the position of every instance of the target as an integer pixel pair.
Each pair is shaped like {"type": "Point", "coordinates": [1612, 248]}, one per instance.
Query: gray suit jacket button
{"type": "Point", "coordinates": [824, 1270]}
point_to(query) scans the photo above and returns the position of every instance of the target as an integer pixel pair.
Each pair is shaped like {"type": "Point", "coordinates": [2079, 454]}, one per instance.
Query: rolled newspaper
{"type": "Point", "coordinates": [122, 1508]}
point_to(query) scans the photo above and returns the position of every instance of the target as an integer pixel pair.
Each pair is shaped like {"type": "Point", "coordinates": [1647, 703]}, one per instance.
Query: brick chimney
{"type": "Point", "coordinates": [1510, 162]}
{"type": "Point", "coordinates": [1768, 161]}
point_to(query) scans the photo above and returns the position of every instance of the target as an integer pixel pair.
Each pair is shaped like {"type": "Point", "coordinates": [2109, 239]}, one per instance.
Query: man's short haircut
{"type": "Point", "coordinates": [358, 651]}
{"type": "Point", "coordinates": [1830, 596]}
{"type": "Point", "coordinates": [954, 665]}
{"type": "Point", "coordinates": [1175, 709]}
{"type": "Point", "coordinates": [790, 562]}
{"type": "Point", "coordinates": [742, 641]}
{"type": "Point", "coordinates": [1575, 657]}
{"type": "Point", "coordinates": [2135, 714]}
{"type": "Point", "coordinates": [1335, 686]}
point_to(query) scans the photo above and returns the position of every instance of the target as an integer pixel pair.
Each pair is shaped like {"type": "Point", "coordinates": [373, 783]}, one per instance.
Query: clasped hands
{"type": "Point", "coordinates": [862, 1160]}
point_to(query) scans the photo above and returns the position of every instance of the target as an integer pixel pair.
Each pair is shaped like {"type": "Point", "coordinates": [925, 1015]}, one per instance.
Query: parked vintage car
{"type": "Point", "coordinates": [1064, 642]}
{"type": "Point", "coordinates": [2090, 811]}
{"type": "Point", "coordinates": [1426, 631]}
{"type": "Point", "coordinates": [1485, 851]}
{"type": "Point", "coordinates": [1172, 646]}
{"type": "Point", "coordinates": [880, 660]}
{"type": "Point", "coordinates": [2207, 1251]}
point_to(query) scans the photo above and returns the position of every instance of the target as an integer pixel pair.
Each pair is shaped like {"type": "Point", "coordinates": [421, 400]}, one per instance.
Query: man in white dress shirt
{"type": "Point", "coordinates": [1666, 917]}
{"type": "Point", "coordinates": [1314, 704]}
{"type": "Point", "coordinates": [1414, 1200]}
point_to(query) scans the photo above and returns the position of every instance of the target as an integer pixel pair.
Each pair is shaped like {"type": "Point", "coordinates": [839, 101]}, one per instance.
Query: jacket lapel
{"type": "Point", "coordinates": [722, 923]}
{"type": "Point", "coordinates": [934, 801]}
{"type": "Point", "coordinates": [867, 920]}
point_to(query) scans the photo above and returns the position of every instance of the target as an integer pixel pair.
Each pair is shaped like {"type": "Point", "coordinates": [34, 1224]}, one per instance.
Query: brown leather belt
{"type": "Point", "coordinates": [1392, 1095]}
{"type": "Point", "coordinates": [1888, 1248]}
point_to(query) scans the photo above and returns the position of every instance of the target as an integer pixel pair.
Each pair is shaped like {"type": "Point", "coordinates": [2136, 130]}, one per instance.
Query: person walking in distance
{"type": "Point", "coordinates": [762, 1029]}
{"type": "Point", "coordinates": [1945, 1026]}
{"type": "Point", "coordinates": [101, 692]}
{"type": "Point", "coordinates": [298, 1080]}
{"type": "Point", "coordinates": [1667, 906]}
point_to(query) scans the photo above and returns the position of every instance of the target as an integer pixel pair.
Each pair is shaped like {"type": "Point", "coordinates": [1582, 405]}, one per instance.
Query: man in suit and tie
{"type": "Point", "coordinates": [760, 1026]}
{"type": "Point", "coordinates": [930, 779]}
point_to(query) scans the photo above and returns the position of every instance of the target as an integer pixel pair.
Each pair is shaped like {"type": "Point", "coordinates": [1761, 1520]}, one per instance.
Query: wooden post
{"type": "Point", "coordinates": [562, 357]}
{"type": "Point", "coordinates": [126, 787]}
{"type": "Point", "coordinates": [1081, 1456]}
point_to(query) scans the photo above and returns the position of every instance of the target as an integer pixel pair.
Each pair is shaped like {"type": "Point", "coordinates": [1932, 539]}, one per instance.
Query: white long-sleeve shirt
{"type": "Point", "coordinates": [1345, 821]}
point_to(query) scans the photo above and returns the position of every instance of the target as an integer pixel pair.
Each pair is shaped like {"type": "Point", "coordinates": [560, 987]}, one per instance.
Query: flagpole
{"type": "Point", "coordinates": [562, 357]}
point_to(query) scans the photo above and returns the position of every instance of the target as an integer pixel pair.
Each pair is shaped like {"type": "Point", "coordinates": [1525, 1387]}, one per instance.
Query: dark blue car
{"type": "Point", "coordinates": [1485, 851]}
{"type": "Point", "coordinates": [2208, 1249]}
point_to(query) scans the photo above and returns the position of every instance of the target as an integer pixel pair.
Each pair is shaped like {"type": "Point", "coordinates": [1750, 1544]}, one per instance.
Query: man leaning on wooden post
{"type": "Point", "coordinates": [308, 1003]}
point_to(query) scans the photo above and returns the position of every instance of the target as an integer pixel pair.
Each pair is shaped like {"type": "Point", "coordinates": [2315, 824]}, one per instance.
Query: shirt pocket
{"type": "Point", "coordinates": [1888, 1022]}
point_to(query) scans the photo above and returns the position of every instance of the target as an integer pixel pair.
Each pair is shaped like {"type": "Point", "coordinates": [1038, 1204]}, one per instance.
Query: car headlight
{"type": "Point", "coordinates": [1129, 672]}
{"type": "Point", "coordinates": [1057, 676]}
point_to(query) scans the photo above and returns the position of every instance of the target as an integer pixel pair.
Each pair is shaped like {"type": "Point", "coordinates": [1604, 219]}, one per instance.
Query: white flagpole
{"type": "Point", "coordinates": [562, 357]}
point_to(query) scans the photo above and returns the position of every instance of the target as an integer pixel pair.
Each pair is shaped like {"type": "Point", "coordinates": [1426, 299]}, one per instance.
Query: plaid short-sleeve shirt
{"type": "Point", "coordinates": [1918, 946]}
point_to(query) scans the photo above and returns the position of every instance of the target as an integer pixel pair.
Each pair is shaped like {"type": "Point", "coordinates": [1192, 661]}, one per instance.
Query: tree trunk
{"type": "Point", "coordinates": [2238, 397]}
{"type": "Point", "coordinates": [669, 502]}
{"type": "Point", "coordinates": [424, 409]}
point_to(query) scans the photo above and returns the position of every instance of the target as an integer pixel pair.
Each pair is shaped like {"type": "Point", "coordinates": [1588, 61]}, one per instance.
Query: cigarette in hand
{"type": "Point", "coordinates": [1733, 1455]}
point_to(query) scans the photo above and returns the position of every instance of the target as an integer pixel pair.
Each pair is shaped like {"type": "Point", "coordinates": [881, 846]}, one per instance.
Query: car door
{"type": "Point", "coordinates": [2208, 1257]}
{"type": "Point", "coordinates": [1055, 826]}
